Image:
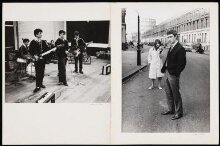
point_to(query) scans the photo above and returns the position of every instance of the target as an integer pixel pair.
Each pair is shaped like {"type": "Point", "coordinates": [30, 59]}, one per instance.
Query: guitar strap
{"type": "Point", "coordinates": [77, 43]}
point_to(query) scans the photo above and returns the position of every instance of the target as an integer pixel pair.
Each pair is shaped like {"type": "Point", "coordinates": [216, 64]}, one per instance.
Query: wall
{"type": "Point", "coordinates": [96, 31]}
{"type": "Point", "coordinates": [50, 29]}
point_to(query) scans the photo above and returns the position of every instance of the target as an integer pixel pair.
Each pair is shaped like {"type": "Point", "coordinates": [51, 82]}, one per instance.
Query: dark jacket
{"type": "Point", "coordinates": [62, 46]}
{"type": "Point", "coordinates": [176, 60]}
{"type": "Point", "coordinates": [23, 51]}
{"type": "Point", "coordinates": [37, 48]}
{"type": "Point", "coordinates": [81, 45]}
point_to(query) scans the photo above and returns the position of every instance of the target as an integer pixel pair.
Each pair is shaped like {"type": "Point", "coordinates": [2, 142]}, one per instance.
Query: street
{"type": "Point", "coordinates": [141, 107]}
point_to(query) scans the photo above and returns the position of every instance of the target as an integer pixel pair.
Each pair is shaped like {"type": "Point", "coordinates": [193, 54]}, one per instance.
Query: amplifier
{"type": "Point", "coordinates": [106, 69]}
{"type": "Point", "coordinates": [47, 97]}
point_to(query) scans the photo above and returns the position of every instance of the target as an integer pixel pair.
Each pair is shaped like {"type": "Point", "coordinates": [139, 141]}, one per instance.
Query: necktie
{"type": "Point", "coordinates": [40, 43]}
{"type": "Point", "coordinates": [168, 55]}
{"type": "Point", "coordinates": [77, 42]}
{"type": "Point", "coordinates": [171, 47]}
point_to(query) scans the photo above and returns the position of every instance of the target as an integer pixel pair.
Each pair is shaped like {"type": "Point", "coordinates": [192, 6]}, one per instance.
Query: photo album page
{"type": "Point", "coordinates": [110, 73]}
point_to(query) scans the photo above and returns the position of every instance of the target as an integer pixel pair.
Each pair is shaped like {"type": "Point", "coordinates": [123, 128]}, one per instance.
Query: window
{"type": "Point", "coordinates": [9, 35]}
{"type": "Point", "coordinates": [193, 25]}
{"type": "Point", "coordinates": [189, 37]}
{"type": "Point", "coordinates": [202, 37]}
{"type": "Point", "coordinates": [194, 37]}
{"type": "Point", "coordinates": [205, 38]}
{"type": "Point", "coordinates": [206, 22]}
{"type": "Point", "coordinates": [201, 23]}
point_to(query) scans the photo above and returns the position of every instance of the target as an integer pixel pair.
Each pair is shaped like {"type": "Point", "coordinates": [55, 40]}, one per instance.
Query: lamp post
{"type": "Point", "coordinates": [138, 44]}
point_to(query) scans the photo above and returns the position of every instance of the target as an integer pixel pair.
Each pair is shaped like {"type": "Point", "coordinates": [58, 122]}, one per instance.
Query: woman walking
{"type": "Point", "coordinates": [155, 62]}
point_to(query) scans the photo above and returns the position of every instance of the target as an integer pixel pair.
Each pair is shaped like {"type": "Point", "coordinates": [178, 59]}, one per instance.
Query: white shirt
{"type": "Point", "coordinates": [38, 40]}
{"type": "Point", "coordinates": [173, 45]}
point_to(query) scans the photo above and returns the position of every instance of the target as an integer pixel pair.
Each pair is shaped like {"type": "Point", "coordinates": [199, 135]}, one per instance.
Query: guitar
{"type": "Point", "coordinates": [25, 59]}
{"type": "Point", "coordinates": [77, 52]}
{"type": "Point", "coordinates": [36, 58]}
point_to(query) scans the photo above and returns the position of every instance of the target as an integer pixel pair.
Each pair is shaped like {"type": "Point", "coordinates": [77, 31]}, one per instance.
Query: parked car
{"type": "Point", "coordinates": [124, 46]}
{"type": "Point", "coordinates": [199, 48]}
{"type": "Point", "coordinates": [188, 47]}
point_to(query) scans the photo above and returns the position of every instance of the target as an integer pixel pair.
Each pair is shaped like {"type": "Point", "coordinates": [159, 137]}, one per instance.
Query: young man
{"type": "Point", "coordinates": [61, 51]}
{"type": "Point", "coordinates": [36, 48]}
{"type": "Point", "coordinates": [174, 65]}
{"type": "Point", "coordinates": [23, 51]}
{"type": "Point", "coordinates": [78, 44]}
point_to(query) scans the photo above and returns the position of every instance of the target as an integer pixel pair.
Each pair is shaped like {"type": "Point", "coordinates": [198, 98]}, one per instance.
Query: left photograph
{"type": "Point", "coordinates": [57, 61]}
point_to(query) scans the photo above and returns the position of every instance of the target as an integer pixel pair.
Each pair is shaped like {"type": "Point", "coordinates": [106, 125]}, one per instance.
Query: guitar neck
{"type": "Point", "coordinates": [48, 52]}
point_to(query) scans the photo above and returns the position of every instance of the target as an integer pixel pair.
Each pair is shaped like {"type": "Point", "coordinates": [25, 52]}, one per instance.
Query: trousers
{"type": "Point", "coordinates": [62, 69]}
{"type": "Point", "coordinates": [79, 59]}
{"type": "Point", "coordinates": [39, 69]}
{"type": "Point", "coordinates": [173, 95]}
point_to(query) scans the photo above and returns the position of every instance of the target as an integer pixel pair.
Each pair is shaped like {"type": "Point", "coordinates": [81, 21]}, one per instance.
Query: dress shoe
{"type": "Point", "coordinates": [76, 71]}
{"type": "Point", "coordinates": [167, 113]}
{"type": "Point", "coordinates": [81, 72]}
{"type": "Point", "coordinates": [60, 83]}
{"type": "Point", "coordinates": [65, 84]}
{"type": "Point", "coordinates": [36, 89]}
{"type": "Point", "coordinates": [42, 86]}
{"type": "Point", "coordinates": [160, 87]}
{"type": "Point", "coordinates": [177, 116]}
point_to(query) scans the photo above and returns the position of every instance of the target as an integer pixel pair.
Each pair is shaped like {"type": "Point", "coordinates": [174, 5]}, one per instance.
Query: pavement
{"type": "Point", "coordinates": [90, 87]}
{"type": "Point", "coordinates": [129, 62]}
{"type": "Point", "coordinates": [141, 107]}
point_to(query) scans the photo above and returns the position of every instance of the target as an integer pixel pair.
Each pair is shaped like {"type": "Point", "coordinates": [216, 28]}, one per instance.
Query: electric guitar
{"type": "Point", "coordinates": [77, 52]}
{"type": "Point", "coordinates": [36, 58]}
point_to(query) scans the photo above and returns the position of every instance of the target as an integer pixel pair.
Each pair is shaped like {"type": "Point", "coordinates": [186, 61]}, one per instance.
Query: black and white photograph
{"type": "Point", "coordinates": [57, 61]}
{"type": "Point", "coordinates": [166, 69]}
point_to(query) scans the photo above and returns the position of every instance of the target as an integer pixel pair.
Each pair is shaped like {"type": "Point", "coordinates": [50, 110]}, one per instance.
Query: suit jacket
{"type": "Point", "coordinates": [61, 49]}
{"type": "Point", "coordinates": [176, 60]}
{"type": "Point", "coordinates": [37, 48]}
{"type": "Point", "coordinates": [22, 51]}
{"type": "Point", "coordinates": [81, 45]}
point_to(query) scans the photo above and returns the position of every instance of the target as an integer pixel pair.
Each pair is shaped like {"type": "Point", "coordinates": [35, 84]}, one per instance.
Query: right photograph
{"type": "Point", "coordinates": [166, 70]}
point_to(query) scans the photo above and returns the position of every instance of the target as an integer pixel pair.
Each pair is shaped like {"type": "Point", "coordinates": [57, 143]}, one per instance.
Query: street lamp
{"type": "Point", "coordinates": [138, 44]}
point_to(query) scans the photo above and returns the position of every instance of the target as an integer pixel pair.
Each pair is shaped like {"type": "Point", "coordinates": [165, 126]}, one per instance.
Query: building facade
{"type": "Point", "coordinates": [146, 24]}
{"type": "Point", "coordinates": [123, 27]}
{"type": "Point", "coordinates": [192, 27]}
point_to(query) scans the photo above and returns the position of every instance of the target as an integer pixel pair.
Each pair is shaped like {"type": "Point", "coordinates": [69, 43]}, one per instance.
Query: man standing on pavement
{"type": "Point", "coordinates": [173, 66]}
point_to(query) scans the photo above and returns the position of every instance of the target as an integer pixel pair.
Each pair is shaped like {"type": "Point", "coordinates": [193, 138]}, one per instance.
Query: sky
{"type": "Point", "coordinates": [160, 13]}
